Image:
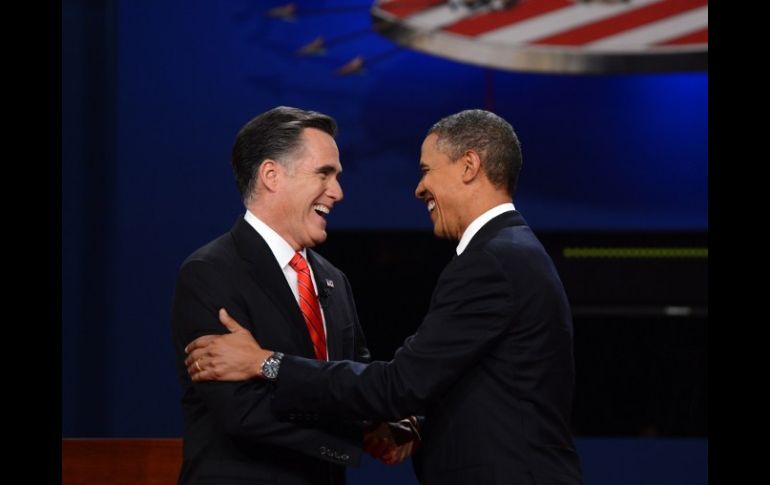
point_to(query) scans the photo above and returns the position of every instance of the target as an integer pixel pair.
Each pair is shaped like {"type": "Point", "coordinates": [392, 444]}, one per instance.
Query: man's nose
{"type": "Point", "coordinates": [335, 190]}
{"type": "Point", "coordinates": [419, 192]}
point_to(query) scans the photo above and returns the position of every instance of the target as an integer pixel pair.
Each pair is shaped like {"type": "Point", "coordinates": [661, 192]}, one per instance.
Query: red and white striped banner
{"type": "Point", "coordinates": [554, 35]}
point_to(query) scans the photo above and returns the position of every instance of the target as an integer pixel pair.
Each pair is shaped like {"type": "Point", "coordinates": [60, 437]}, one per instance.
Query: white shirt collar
{"type": "Point", "coordinates": [479, 222]}
{"type": "Point", "coordinates": [281, 249]}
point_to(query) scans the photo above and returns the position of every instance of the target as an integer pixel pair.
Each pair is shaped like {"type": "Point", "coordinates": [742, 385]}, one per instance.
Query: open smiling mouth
{"type": "Point", "coordinates": [321, 210]}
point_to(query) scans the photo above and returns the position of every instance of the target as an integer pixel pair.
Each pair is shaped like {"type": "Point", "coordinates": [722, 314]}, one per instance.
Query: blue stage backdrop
{"type": "Point", "coordinates": [153, 93]}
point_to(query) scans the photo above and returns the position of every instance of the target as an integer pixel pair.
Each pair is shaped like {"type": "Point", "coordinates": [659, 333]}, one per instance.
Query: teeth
{"type": "Point", "coordinates": [431, 205]}
{"type": "Point", "coordinates": [321, 208]}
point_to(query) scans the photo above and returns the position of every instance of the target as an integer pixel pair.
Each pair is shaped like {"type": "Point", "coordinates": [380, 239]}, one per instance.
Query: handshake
{"type": "Point", "coordinates": [393, 442]}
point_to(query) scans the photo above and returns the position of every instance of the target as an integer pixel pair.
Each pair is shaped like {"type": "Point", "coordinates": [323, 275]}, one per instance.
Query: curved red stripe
{"type": "Point", "coordinates": [486, 22]}
{"type": "Point", "coordinates": [404, 8]}
{"type": "Point", "coordinates": [618, 23]}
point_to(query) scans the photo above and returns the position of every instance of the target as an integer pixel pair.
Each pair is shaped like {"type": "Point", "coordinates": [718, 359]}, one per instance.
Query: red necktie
{"type": "Point", "coordinates": [308, 303]}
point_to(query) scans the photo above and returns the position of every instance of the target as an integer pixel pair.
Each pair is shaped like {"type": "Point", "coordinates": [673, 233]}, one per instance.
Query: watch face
{"type": "Point", "coordinates": [270, 368]}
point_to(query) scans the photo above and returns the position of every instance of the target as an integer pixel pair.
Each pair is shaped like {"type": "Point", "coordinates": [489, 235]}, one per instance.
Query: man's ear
{"type": "Point", "coordinates": [268, 174]}
{"type": "Point", "coordinates": [471, 165]}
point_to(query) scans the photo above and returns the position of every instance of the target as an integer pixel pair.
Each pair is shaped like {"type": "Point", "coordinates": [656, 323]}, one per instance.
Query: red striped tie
{"type": "Point", "coordinates": [308, 303]}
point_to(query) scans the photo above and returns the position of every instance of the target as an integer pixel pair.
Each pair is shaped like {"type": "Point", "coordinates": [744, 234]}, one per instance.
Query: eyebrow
{"type": "Point", "coordinates": [327, 169]}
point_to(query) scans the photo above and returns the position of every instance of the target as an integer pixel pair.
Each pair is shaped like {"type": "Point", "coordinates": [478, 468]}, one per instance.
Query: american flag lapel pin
{"type": "Point", "coordinates": [329, 283]}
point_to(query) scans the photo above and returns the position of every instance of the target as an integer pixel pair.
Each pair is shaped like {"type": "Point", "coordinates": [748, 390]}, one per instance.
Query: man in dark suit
{"type": "Point", "coordinates": [490, 366]}
{"type": "Point", "coordinates": [286, 165]}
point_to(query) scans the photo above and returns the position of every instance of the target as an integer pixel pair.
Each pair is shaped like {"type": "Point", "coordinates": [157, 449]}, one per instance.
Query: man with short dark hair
{"type": "Point", "coordinates": [491, 365]}
{"type": "Point", "coordinates": [286, 166]}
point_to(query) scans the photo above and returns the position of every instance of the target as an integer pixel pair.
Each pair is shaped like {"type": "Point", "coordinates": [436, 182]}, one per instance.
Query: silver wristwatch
{"type": "Point", "coordinates": [271, 365]}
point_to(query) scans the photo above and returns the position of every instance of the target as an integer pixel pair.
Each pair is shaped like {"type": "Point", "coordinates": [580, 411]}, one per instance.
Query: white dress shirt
{"type": "Point", "coordinates": [283, 253]}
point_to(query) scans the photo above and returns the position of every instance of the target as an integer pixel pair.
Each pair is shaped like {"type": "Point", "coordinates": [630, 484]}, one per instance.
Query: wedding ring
{"type": "Point", "coordinates": [197, 364]}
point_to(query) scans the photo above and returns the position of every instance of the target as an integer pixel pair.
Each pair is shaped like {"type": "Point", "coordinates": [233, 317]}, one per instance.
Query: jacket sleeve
{"type": "Point", "coordinates": [471, 307]}
{"type": "Point", "coordinates": [243, 408]}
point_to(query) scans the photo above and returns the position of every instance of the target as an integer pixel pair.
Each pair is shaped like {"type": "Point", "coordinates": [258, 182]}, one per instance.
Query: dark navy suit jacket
{"type": "Point", "coordinates": [231, 435]}
{"type": "Point", "coordinates": [490, 367]}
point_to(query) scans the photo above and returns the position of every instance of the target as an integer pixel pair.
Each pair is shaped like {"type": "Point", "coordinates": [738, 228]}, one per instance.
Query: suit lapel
{"type": "Point", "coordinates": [326, 284]}
{"type": "Point", "coordinates": [264, 270]}
{"type": "Point", "coordinates": [495, 225]}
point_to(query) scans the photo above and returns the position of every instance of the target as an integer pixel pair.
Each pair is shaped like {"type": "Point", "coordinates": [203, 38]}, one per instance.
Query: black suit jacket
{"type": "Point", "coordinates": [490, 366]}
{"type": "Point", "coordinates": [231, 434]}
